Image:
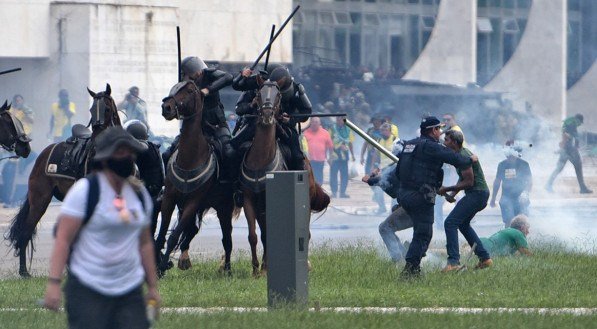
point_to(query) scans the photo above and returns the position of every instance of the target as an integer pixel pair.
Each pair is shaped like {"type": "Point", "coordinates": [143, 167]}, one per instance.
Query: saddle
{"type": "Point", "coordinates": [69, 159]}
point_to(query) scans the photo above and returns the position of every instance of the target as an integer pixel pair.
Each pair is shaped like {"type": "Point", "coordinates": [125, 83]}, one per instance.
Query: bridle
{"type": "Point", "coordinates": [101, 98]}
{"type": "Point", "coordinates": [13, 136]}
{"type": "Point", "coordinates": [179, 105]}
{"type": "Point", "coordinates": [269, 103]}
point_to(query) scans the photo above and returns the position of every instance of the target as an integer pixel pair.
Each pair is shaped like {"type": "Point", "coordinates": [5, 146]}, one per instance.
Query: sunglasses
{"type": "Point", "coordinates": [123, 213]}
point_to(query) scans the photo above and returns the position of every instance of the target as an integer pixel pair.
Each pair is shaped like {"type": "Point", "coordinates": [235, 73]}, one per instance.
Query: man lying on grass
{"type": "Point", "coordinates": [510, 240]}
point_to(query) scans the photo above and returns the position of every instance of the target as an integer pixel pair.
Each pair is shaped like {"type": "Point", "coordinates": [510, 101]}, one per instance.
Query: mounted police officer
{"type": "Point", "coordinates": [209, 81]}
{"type": "Point", "coordinates": [420, 173]}
{"type": "Point", "coordinates": [294, 101]}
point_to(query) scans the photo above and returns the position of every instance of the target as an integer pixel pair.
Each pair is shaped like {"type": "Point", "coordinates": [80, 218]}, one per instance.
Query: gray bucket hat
{"type": "Point", "coordinates": [109, 140]}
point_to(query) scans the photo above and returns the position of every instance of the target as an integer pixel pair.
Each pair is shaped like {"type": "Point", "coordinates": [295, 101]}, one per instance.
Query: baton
{"type": "Point", "coordinates": [370, 140]}
{"type": "Point", "coordinates": [274, 38]}
{"type": "Point", "coordinates": [269, 49]}
{"type": "Point", "coordinates": [322, 115]}
{"type": "Point", "coordinates": [179, 56]}
{"type": "Point", "coordinates": [10, 71]}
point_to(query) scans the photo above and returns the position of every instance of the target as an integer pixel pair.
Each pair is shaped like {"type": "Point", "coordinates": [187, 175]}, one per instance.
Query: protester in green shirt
{"type": "Point", "coordinates": [510, 240]}
{"type": "Point", "coordinates": [472, 181]}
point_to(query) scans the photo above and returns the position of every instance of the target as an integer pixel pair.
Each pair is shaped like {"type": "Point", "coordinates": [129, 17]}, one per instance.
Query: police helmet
{"type": "Point", "coordinates": [192, 65]}
{"type": "Point", "coordinates": [281, 74]}
{"type": "Point", "coordinates": [137, 128]}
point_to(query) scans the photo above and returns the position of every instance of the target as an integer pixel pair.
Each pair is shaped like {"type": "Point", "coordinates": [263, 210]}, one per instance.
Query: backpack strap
{"type": "Point", "coordinates": [92, 197]}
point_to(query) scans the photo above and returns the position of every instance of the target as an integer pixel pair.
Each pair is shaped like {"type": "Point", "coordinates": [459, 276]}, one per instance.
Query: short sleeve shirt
{"type": "Point", "coordinates": [105, 256]}
{"type": "Point", "coordinates": [506, 242]}
{"type": "Point", "coordinates": [515, 176]}
{"type": "Point", "coordinates": [479, 183]}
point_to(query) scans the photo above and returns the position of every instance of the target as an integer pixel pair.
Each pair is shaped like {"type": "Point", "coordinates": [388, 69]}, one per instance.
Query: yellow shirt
{"type": "Point", "coordinates": [60, 118]}
{"type": "Point", "coordinates": [25, 119]}
{"type": "Point", "coordinates": [387, 144]}
{"type": "Point", "coordinates": [395, 131]}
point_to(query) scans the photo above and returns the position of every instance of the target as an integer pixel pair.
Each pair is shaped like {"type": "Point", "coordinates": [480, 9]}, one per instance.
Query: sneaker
{"type": "Point", "coordinates": [344, 196]}
{"type": "Point", "coordinates": [453, 268]}
{"type": "Point", "coordinates": [484, 264]}
{"type": "Point", "coordinates": [585, 191]}
{"type": "Point", "coordinates": [410, 272]}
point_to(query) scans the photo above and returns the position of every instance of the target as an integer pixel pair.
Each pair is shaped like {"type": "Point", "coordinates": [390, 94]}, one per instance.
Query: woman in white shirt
{"type": "Point", "coordinates": [110, 254]}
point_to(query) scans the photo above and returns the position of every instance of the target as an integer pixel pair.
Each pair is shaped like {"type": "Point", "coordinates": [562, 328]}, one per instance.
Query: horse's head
{"type": "Point", "coordinates": [181, 102]}
{"type": "Point", "coordinates": [268, 100]}
{"type": "Point", "coordinates": [103, 110]}
{"type": "Point", "coordinates": [12, 134]}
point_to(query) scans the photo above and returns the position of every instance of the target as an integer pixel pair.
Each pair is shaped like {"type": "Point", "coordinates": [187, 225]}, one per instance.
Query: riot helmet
{"type": "Point", "coordinates": [282, 77]}
{"type": "Point", "coordinates": [191, 66]}
{"type": "Point", "coordinates": [137, 128]}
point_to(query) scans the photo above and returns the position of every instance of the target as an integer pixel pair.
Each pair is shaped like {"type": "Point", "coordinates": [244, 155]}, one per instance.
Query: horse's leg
{"type": "Point", "coordinates": [263, 228]}
{"type": "Point", "coordinates": [167, 208]}
{"type": "Point", "coordinates": [225, 217]}
{"type": "Point", "coordinates": [190, 231]}
{"type": "Point", "coordinates": [249, 209]}
{"type": "Point", "coordinates": [24, 223]}
{"type": "Point", "coordinates": [188, 215]}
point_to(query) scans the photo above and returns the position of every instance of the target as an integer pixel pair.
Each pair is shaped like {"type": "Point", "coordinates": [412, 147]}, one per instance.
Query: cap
{"type": "Point", "coordinates": [430, 122]}
{"type": "Point", "coordinates": [109, 140]}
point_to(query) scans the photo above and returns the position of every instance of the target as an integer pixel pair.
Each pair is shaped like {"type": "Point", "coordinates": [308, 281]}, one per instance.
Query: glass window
{"type": "Point", "coordinates": [427, 23]}
{"type": "Point", "coordinates": [413, 1]}
{"type": "Point", "coordinates": [495, 3]}
{"type": "Point", "coordinates": [484, 25]}
{"type": "Point", "coordinates": [356, 18]}
{"type": "Point", "coordinates": [326, 17]}
{"type": "Point", "coordinates": [340, 43]}
{"type": "Point", "coordinates": [343, 18]}
{"type": "Point", "coordinates": [511, 26]}
{"type": "Point", "coordinates": [509, 3]}
{"type": "Point", "coordinates": [298, 18]}
{"type": "Point", "coordinates": [371, 19]}
{"type": "Point", "coordinates": [413, 34]}
{"type": "Point", "coordinates": [427, 2]}
{"type": "Point", "coordinates": [574, 4]}
{"type": "Point", "coordinates": [524, 3]}
{"type": "Point", "coordinates": [309, 18]}
{"type": "Point", "coordinates": [482, 3]}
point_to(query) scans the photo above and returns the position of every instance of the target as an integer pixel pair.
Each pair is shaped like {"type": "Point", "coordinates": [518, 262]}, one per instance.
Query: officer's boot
{"type": "Point", "coordinates": [230, 172]}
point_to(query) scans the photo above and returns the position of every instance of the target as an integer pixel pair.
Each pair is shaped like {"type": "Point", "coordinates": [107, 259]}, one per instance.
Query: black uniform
{"type": "Point", "coordinates": [151, 172]}
{"type": "Point", "coordinates": [420, 173]}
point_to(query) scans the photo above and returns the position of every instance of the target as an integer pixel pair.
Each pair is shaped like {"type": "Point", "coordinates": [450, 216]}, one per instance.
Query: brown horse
{"type": "Point", "coordinates": [12, 134]}
{"type": "Point", "coordinates": [44, 186]}
{"type": "Point", "coordinates": [264, 155]}
{"type": "Point", "coordinates": [192, 175]}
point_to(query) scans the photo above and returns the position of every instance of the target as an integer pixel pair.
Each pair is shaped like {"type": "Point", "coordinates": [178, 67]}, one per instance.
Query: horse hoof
{"type": "Point", "coordinates": [184, 264]}
{"type": "Point", "coordinates": [24, 274]}
{"type": "Point", "coordinates": [225, 269]}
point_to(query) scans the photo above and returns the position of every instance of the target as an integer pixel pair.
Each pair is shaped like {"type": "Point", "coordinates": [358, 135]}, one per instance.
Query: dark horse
{"type": "Point", "coordinates": [12, 134]}
{"type": "Point", "coordinates": [192, 175]}
{"type": "Point", "coordinates": [43, 186]}
{"type": "Point", "coordinates": [264, 155]}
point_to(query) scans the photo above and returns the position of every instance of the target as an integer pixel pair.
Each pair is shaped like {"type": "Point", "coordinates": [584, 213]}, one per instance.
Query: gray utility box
{"type": "Point", "coordinates": [287, 216]}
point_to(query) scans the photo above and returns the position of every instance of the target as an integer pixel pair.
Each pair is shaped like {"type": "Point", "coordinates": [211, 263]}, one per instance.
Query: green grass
{"type": "Point", "coordinates": [358, 276]}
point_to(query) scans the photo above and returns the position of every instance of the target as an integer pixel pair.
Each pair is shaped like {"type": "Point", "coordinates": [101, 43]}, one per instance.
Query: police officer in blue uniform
{"type": "Point", "coordinates": [420, 173]}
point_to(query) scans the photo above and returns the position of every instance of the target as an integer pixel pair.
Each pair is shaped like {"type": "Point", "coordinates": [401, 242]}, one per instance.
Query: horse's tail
{"type": "Point", "coordinates": [236, 213]}
{"type": "Point", "coordinates": [19, 233]}
{"type": "Point", "coordinates": [319, 200]}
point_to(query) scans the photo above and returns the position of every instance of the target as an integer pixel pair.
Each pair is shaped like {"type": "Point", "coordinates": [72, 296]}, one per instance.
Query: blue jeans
{"type": "Point", "coordinates": [397, 221]}
{"type": "Point", "coordinates": [421, 213]}
{"type": "Point", "coordinates": [510, 206]}
{"type": "Point", "coordinates": [339, 166]}
{"type": "Point", "coordinates": [317, 167]}
{"type": "Point", "coordinates": [460, 219]}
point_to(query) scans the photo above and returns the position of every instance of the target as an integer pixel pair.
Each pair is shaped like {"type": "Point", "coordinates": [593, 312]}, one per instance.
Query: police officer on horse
{"type": "Point", "coordinates": [209, 81]}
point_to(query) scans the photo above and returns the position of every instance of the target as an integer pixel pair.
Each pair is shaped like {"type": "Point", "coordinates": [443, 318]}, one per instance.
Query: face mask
{"type": "Point", "coordinates": [122, 167]}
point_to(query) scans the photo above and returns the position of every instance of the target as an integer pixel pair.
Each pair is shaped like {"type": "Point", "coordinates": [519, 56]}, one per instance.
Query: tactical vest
{"type": "Point", "coordinates": [151, 169]}
{"type": "Point", "coordinates": [416, 168]}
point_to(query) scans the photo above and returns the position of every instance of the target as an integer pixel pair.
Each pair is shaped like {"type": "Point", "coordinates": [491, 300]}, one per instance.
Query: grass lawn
{"type": "Point", "coordinates": [357, 276]}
